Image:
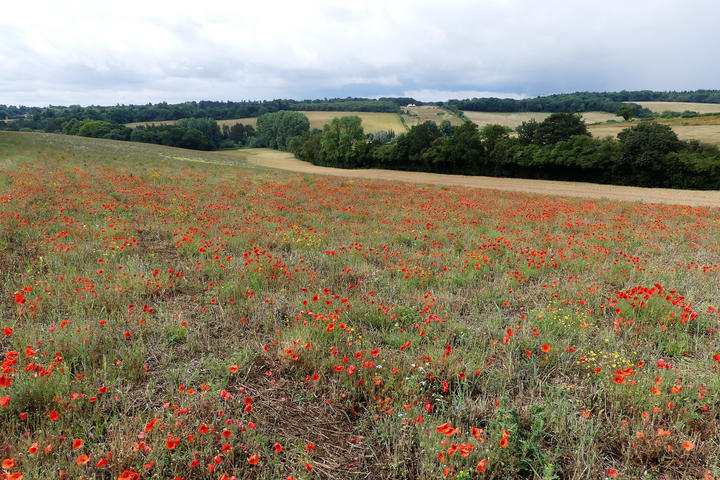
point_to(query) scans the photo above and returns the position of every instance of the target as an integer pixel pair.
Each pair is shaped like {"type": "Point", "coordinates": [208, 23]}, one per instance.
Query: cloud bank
{"type": "Point", "coordinates": [80, 52]}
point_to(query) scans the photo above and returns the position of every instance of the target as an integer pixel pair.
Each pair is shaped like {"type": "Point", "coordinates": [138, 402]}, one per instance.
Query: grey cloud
{"type": "Point", "coordinates": [325, 48]}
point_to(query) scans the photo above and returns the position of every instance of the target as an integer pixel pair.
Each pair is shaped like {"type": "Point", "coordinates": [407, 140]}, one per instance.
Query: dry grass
{"type": "Point", "coordinates": [514, 119]}
{"type": "Point", "coordinates": [417, 115]}
{"type": "Point", "coordinates": [660, 107]}
{"type": "Point", "coordinates": [371, 121]}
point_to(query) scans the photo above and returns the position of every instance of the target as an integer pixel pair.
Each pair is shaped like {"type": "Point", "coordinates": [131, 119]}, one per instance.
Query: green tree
{"type": "Point", "coordinates": [526, 131]}
{"type": "Point", "coordinates": [558, 127]}
{"type": "Point", "coordinates": [307, 146]}
{"type": "Point", "coordinates": [277, 129]}
{"type": "Point", "coordinates": [409, 148]}
{"type": "Point", "coordinates": [492, 134]}
{"type": "Point", "coordinates": [207, 126]}
{"type": "Point", "coordinates": [625, 111]}
{"type": "Point", "coordinates": [645, 148]}
{"type": "Point", "coordinates": [342, 140]}
{"type": "Point", "coordinates": [462, 152]}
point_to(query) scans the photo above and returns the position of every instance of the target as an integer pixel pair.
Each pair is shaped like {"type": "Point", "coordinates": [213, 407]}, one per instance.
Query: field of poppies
{"type": "Point", "coordinates": [176, 314]}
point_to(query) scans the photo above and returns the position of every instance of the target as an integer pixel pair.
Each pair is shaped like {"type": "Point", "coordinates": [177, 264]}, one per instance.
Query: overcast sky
{"type": "Point", "coordinates": [105, 53]}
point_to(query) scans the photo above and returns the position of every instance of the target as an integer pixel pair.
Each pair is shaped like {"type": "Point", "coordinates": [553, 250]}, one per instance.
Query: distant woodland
{"type": "Point", "coordinates": [560, 147]}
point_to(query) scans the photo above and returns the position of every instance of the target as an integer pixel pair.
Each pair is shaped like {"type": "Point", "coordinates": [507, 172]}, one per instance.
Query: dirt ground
{"type": "Point", "coordinates": [286, 161]}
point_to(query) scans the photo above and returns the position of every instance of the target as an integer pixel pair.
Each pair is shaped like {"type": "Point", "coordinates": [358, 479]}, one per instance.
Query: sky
{"type": "Point", "coordinates": [108, 53]}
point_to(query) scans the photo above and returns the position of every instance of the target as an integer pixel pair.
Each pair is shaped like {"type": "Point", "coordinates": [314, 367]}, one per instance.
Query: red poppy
{"type": "Point", "coordinates": [254, 459]}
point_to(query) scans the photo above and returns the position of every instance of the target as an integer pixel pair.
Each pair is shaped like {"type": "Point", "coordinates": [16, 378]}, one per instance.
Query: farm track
{"type": "Point", "coordinates": [695, 198]}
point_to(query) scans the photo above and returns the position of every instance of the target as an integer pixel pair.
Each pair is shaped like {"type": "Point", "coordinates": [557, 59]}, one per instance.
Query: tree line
{"type": "Point", "coordinates": [585, 101]}
{"type": "Point", "coordinates": [648, 154]}
{"type": "Point", "coordinates": [50, 119]}
{"type": "Point", "coordinates": [193, 133]}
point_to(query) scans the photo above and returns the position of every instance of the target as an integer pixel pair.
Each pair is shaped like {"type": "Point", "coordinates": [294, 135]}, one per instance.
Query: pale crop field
{"type": "Point", "coordinates": [660, 107]}
{"type": "Point", "coordinates": [514, 119]}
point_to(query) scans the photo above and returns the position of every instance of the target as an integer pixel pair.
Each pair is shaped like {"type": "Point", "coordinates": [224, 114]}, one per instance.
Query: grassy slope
{"type": "Point", "coordinates": [357, 316]}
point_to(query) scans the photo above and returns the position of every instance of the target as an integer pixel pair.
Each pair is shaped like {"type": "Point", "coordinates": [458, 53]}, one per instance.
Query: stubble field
{"type": "Point", "coordinates": [178, 314]}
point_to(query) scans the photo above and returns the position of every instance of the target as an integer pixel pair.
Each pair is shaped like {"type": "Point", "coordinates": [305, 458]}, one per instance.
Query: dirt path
{"type": "Point", "coordinates": [286, 161]}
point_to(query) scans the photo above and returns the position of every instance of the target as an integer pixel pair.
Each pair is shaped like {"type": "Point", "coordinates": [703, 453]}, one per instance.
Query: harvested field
{"type": "Point", "coordinates": [286, 161]}
{"type": "Point", "coordinates": [660, 107]}
{"type": "Point", "coordinates": [514, 119]}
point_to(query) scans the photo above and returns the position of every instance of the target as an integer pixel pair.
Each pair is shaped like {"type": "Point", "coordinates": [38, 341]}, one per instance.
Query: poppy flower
{"type": "Point", "coordinates": [8, 463]}
{"type": "Point", "coordinates": [254, 459]}
{"type": "Point", "coordinates": [82, 459]}
{"type": "Point", "coordinates": [503, 442]}
{"type": "Point", "coordinates": [77, 443]}
{"type": "Point", "coordinates": [545, 348]}
{"type": "Point", "coordinates": [446, 429]}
